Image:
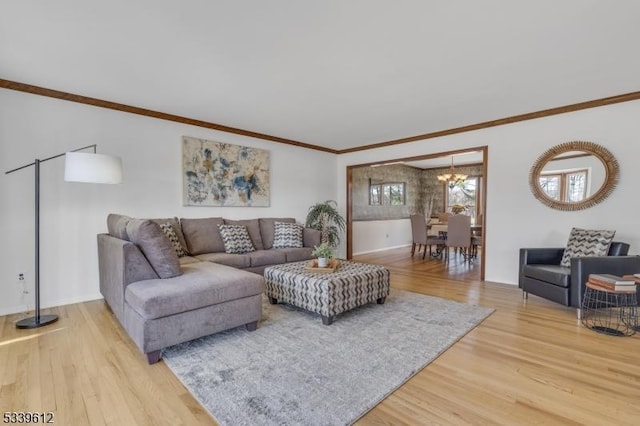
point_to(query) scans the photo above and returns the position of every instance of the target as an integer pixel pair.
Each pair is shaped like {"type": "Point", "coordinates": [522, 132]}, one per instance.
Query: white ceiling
{"type": "Point", "coordinates": [333, 73]}
{"type": "Point", "coordinates": [471, 157]}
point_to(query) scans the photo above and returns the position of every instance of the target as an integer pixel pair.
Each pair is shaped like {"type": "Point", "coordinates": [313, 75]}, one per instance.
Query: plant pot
{"type": "Point", "coordinates": [323, 262]}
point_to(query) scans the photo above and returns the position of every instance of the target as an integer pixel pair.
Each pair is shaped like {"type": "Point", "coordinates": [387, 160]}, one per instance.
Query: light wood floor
{"type": "Point", "coordinates": [528, 363]}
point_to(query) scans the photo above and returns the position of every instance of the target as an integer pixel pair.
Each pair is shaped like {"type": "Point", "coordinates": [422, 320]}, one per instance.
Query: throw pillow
{"type": "Point", "coordinates": [168, 230]}
{"type": "Point", "coordinates": [236, 239]}
{"type": "Point", "coordinates": [155, 246]}
{"type": "Point", "coordinates": [117, 226]}
{"type": "Point", "coordinates": [586, 242]}
{"type": "Point", "coordinates": [287, 235]}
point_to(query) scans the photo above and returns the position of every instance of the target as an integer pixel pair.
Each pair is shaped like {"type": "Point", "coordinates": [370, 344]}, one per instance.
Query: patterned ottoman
{"type": "Point", "coordinates": [328, 294]}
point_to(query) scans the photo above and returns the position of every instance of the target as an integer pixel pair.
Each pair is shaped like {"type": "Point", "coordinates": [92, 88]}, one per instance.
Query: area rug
{"type": "Point", "coordinates": [295, 371]}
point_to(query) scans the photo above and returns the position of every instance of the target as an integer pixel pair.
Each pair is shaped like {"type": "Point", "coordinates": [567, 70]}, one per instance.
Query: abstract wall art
{"type": "Point", "coordinates": [221, 174]}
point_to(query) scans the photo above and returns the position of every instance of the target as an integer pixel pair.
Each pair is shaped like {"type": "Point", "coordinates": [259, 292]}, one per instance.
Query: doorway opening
{"type": "Point", "coordinates": [424, 190]}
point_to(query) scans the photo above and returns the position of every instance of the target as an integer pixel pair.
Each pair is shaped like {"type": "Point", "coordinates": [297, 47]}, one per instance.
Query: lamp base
{"type": "Point", "coordinates": [32, 323]}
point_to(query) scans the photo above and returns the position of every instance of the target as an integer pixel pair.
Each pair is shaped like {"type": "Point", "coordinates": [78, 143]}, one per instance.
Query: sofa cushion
{"type": "Point", "coordinates": [267, 257]}
{"type": "Point", "coordinates": [170, 232]}
{"type": "Point", "coordinates": [253, 227]}
{"type": "Point", "coordinates": [185, 260]}
{"type": "Point", "coordinates": [311, 237]}
{"type": "Point", "coordinates": [202, 235]}
{"type": "Point", "coordinates": [202, 284]}
{"type": "Point", "coordinates": [586, 242]}
{"type": "Point", "coordinates": [552, 274]}
{"type": "Point", "coordinates": [297, 254]}
{"type": "Point", "coordinates": [117, 225]}
{"type": "Point", "coordinates": [155, 246]}
{"type": "Point", "coordinates": [236, 239]}
{"type": "Point", "coordinates": [235, 260]}
{"type": "Point", "coordinates": [267, 229]}
{"type": "Point", "coordinates": [287, 235]}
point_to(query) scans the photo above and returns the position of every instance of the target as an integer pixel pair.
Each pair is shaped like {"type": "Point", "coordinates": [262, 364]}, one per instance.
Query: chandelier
{"type": "Point", "coordinates": [452, 177]}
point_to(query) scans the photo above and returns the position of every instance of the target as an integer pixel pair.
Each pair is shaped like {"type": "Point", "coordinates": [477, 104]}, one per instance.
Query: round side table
{"type": "Point", "coordinates": [611, 312]}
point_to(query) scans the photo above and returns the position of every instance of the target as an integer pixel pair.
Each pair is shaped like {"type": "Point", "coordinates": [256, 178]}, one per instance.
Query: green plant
{"type": "Point", "coordinates": [325, 218]}
{"type": "Point", "coordinates": [458, 208]}
{"type": "Point", "coordinates": [323, 250]}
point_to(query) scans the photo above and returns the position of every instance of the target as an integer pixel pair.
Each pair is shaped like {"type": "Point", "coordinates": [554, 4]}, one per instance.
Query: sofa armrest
{"type": "Point", "coordinates": [538, 256]}
{"type": "Point", "coordinates": [311, 237]}
{"type": "Point", "coordinates": [581, 267]}
{"type": "Point", "coordinates": [120, 263]}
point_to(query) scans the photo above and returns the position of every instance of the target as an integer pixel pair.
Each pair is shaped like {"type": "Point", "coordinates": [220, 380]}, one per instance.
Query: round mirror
{"type": "Point", "coordinates": [574, 175]}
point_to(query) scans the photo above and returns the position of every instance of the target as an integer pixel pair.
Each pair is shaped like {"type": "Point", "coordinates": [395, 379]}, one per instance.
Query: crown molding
{"type": "Point", "coordinates": [71, 97]}
{"type": "Point", "coordinates": [42, 91]}
{"type": "Point", "coordinates": [502, 121]}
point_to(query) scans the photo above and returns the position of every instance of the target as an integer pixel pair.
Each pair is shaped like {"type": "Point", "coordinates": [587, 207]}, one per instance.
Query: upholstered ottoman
{"type": "Point", "coordinates": [351, 285]}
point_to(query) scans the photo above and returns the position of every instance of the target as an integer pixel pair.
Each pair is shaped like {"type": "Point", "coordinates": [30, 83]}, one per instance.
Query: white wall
{"type": "Point", "coordinates": [514, 217]}
{"type": "Point", "coordinates": [72, 214]}
{"type": "Point", "coordinates": [377, 235]}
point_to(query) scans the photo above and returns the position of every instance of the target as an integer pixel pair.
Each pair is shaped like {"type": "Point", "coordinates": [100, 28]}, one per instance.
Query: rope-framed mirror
{"type": "Point", "coordinates": [574, 175]}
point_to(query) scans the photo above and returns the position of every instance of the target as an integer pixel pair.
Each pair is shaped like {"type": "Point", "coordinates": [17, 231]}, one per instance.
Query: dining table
{"type": "Point", "coordinates": [437, 228]}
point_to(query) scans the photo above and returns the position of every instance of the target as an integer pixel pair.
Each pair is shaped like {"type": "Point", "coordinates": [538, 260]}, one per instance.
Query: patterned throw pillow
{"type": "Point", "coordinates": [168, 230]}
{"type": "Point", "coordinates": [236, 239]}
{"type": "Point", "coordinates": [586, 242]}
{"type": "Point", "coordinates": [287, 235]}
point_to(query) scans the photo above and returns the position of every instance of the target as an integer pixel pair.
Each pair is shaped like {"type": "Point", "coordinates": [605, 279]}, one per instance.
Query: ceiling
{"type": "Point", "coordinates": [333, 73]}
{"type": "Point", "coordinates": [439, 161]}
{"type": "Point", "coordinates": [459, 159]}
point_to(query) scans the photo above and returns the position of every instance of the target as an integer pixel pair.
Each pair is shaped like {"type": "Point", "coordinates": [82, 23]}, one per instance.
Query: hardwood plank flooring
{"type": "Point", "coordinates": [530, 362]}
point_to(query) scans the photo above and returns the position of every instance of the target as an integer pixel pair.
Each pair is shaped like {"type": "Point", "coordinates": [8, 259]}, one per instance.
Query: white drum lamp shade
{"type": "Point", "coordinates": [92, 168]}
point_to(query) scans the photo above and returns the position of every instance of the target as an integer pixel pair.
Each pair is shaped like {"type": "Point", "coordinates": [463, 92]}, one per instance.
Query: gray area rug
{"type": "Point", "coordinates": [295, 371]}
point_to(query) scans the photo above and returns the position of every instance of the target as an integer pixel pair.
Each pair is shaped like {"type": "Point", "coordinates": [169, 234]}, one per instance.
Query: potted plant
{"type": "Point", "coordinates": [325, 218]}
{"type": "Point", "coordinates": [323, 252]}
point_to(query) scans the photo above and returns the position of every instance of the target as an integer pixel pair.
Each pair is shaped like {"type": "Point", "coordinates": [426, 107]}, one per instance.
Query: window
{"type": "Point", "coordinates": [375, 196]}
{"type": "Point", "coordinates": [390, 194]}
{"type": "Point", "coordinates": [550, 184]}
{"type": "Point", "coordinates": [565, 186]}
{"type": "Point", "coordinates": [463, 197]}
{"type": "Point", "coordinates": [393, 194]}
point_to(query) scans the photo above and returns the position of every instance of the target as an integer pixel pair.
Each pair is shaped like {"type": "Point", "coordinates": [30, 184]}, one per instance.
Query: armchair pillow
{"type": "Point", "coordinates": [287, 235]}
{"type": "Point", "coordinates": [236, 239]}
{"type": "Point", "coordinates": [586, 242]}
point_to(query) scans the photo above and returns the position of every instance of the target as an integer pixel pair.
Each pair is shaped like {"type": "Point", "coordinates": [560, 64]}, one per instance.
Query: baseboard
{"type": "Point", "coordinates": [13, 310]}
{"type": "Point", "coordinates": [382, 249]}
{"type": "Point", "coordinates": [61, 302]}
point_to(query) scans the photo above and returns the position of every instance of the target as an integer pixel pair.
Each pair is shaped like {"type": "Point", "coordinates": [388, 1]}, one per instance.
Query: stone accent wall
{"type": "Point", "coordinates": [420, 187]}
{"type": "Point", "coordinates": [361, 177]}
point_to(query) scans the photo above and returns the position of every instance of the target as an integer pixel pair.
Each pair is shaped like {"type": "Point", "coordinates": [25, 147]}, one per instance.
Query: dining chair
{"type": "Point", "coordinates": [419, 232]}
{"type": "Point", "coordinates": [444, 217]}
{"type": "Point", "coordinates": [459, 235]}
{"type": "Point", "coordinates": [421, 237]}
{"type": "Point", "coordinates": [478, 229]}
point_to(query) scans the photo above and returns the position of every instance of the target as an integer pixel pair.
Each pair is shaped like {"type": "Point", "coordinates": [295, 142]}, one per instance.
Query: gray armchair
{"type": "Point", "coordinates": [542, 275]}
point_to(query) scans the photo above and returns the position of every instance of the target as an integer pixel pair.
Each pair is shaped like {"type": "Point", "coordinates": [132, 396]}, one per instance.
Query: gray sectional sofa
{"type": "Point", "coordinates": [162, 299]}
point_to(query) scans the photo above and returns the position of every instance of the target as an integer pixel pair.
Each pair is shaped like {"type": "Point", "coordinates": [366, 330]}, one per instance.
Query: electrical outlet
{"type": "Point", "coordinates": [22, 282]}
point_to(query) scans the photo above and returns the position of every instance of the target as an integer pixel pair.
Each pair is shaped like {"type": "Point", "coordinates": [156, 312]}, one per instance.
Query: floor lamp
{"type": "Point", "coordinates": [78, 167]}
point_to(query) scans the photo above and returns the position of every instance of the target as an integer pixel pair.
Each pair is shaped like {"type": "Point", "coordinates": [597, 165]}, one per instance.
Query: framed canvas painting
{"type": "Point", "coordinates": [221, 174]}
